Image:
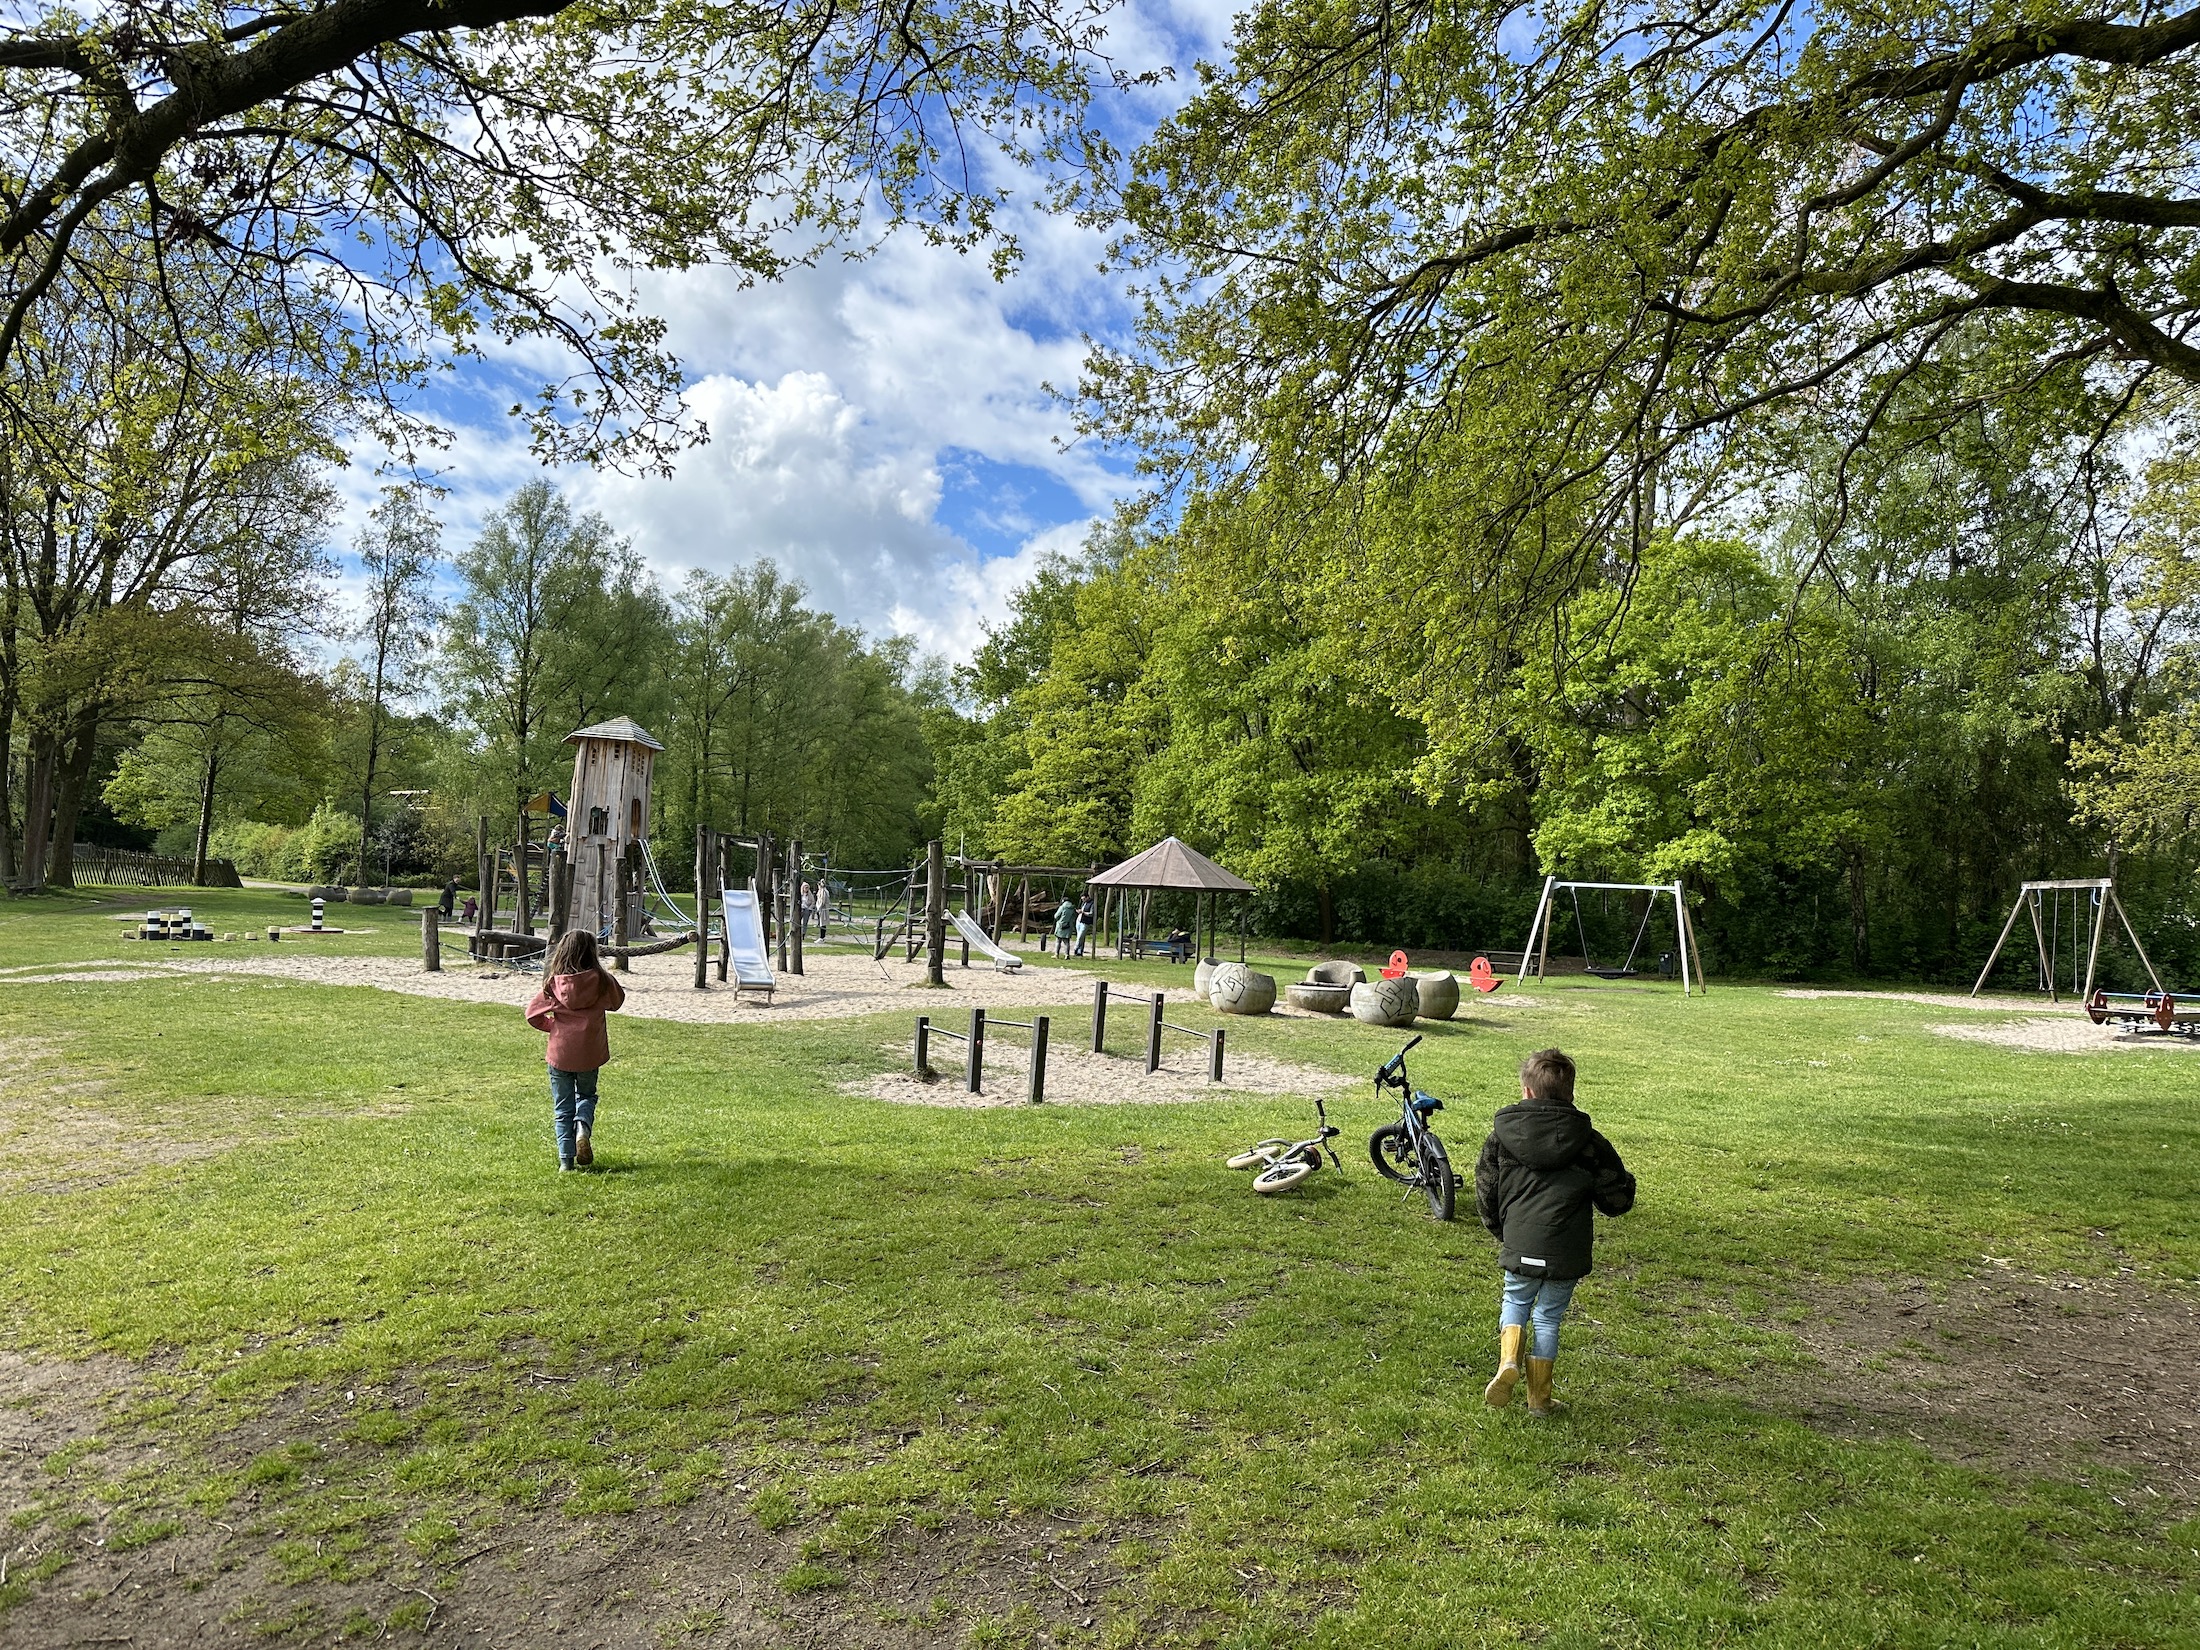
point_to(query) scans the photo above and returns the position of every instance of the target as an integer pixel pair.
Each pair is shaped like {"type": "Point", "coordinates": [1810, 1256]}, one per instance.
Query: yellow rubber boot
{"type": "Point", "coordinates": [1540, 1401]}
{"type": "Point", "coordinates": [1500, 1390]}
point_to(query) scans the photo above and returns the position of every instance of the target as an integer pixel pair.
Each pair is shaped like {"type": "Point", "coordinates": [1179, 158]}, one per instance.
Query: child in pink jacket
{"type": "Point", "coordinates": [576, 993]}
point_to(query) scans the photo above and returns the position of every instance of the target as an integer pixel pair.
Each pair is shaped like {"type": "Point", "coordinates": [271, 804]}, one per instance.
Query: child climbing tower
{"type": "Point", "coordinates": [609, 809]}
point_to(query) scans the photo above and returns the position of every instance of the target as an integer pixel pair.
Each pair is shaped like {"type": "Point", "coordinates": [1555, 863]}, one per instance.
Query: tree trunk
{"type": "Point", "coordinates": [37, 810]}
{"type": "Point", "coordinates": [206, 816]}
{"type": "Point", "coordinates": [7, 788]}
{"type": "Point", "coordinates": [1329, 916]}
{"type": "Point", "coordinates": [1860, 945]}
{"type": "Point", "coordinates": [69, 800]}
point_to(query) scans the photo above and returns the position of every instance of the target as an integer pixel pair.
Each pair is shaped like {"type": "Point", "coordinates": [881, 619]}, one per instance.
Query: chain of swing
{"type": "Point", "coordinates": [1626, 970]}
{"type": "Point", "coordinates": [2054, 932]}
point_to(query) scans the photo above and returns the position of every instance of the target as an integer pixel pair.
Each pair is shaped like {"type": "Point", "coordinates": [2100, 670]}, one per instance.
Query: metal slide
{"type": "Point", "coordinates": [752, 969]}
{"type": "Point", "coordinates": [1006, 961]}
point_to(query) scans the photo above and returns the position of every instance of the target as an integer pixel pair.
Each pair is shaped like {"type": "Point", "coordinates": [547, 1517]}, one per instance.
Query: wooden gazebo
{"type": "Point", "coordinates": [1170, 866]}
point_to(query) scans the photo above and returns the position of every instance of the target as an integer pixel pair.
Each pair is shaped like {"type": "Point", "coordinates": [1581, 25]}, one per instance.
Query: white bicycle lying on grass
{"type": "Point", "coordinates": [1285, 1163]}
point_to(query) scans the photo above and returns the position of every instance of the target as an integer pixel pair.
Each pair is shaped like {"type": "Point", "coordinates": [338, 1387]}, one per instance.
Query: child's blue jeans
{"type": "Point", "coordinates": [1541, 1302]}
{"type": "Point", "coordinates": [573, 1100]}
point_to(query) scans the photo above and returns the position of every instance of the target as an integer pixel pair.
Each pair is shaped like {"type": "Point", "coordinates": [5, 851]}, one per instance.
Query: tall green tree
{"type": "Point", "coordinates": [398, 552]}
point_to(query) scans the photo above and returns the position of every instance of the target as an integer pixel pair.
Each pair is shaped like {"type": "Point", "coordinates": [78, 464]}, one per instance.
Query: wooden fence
{"type": "Point", "coordinates": [127, 867]}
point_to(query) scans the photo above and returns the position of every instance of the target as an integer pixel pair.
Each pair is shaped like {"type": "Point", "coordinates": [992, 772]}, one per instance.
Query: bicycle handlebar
{"type": "Point", "coordinates": [1391, 1072]}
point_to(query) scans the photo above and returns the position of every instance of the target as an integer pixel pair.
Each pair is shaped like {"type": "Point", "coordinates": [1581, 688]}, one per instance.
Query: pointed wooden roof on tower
{"type": "Point", "coordinates": [1170, 864]}
{"type": "Point", "coordinates": [619, 727]}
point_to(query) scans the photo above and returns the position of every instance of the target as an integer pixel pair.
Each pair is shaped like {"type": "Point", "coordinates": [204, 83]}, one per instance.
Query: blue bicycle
{"type": "Point", "coordinates": [1408, 1151]}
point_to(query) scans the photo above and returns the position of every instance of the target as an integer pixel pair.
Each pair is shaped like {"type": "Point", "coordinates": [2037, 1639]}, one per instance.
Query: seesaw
{"type": "Point", "coordinates": [2136, 1008]}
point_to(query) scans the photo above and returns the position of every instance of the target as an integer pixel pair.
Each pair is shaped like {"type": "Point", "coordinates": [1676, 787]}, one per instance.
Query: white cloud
{"type": "Point", "coordinates": [879, 428]}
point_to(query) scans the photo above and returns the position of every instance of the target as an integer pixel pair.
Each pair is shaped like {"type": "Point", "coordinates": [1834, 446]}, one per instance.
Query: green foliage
{"type": "Point", "coordinates": [352, 1279]}
{"type": "Point", "coordinates": [781, 719]}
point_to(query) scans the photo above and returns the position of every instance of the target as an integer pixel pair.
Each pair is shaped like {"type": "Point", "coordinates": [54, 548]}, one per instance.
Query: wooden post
{"type": "Point", "coordinates": [2110, 893]}
{"type": "Point", "coordinates": [703, 904]}
{"type": "Point", "coordinates": [484, 911]}
{"type": "Point", "coordinates": [1153, 1034]}
{"type": "Point", "coordinates": [764, 886]}
{"type": "Point", "coordinates": [794, 869]}
{"type": "Point", "coordinates": [726, 850]}
{"type": "Point", "coordinates": [977, 1051]}
{"type": "Point", "coordinates": [1023, 914]}
{"type": "Point", "coordinates": [2029, 900]}
{"type": "Point", "coordinates": [603, 881]}
{"type": "Point", "coordinates": [560, 870]}
{"type": "Point", "coordinates": [525, 924]}
{"type": "Point", "coordinates": [431, 942]}
{"type": "Point", "coordinates": [2093, 952]}
{"type": "Point", "coordinates": [1036, 1090]}
{"type": "Point", "coordinates": [935, 912]}
{"type": "Point", "coordinates": [618, 916]}
{"type": "Point", "coordinates": [1214, 1059]}
{"type": "Point", "coordinates": [924, 1047]}
{"type": "Point", "coordinates": [1099, 1016]}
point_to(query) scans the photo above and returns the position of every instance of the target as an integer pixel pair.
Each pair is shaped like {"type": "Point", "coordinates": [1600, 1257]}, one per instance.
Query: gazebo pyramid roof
{"type": "Point", "coordinates": [623, 728]}
{"type": "Point", "coordinates": [1171, 864]}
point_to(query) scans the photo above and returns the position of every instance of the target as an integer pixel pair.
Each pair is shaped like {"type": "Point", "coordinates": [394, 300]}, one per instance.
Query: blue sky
{"type": "Point", "coordinates": [881, 429]}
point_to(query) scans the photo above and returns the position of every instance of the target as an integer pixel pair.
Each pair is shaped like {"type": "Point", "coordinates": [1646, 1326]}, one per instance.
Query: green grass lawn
{"type": "Point", "coordinates": [838, 1318]}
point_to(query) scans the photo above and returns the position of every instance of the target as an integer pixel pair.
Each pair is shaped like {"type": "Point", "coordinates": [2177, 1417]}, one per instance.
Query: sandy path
{"type": "Point", "coordinates": [1931, 999]}
{"type": "Point", "coordinates": [2075, 1035]}
{"type": "Point", "coordinates": [835, 985]}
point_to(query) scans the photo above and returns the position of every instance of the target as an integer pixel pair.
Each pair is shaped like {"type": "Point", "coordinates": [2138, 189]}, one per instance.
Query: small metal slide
{"type": "Point", "coordinates": [1006, 961]}
{"type": "Point", "coordinates": [752, 969]}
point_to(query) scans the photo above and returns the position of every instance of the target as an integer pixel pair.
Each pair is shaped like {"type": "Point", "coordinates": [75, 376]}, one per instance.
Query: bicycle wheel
{"type": "Point", "coordinates": [1437, 1180]}
{"type": "Point", "coordinates": [1254, 1156]}
{"type": "Point", "coordinates": [1283, 1176]}
{"type": "Point", "coordinates": [1391, 1151]}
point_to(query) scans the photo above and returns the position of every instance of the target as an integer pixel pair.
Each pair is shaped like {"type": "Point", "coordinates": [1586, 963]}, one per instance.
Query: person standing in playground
{"type": "Point", "coordinates": [1065, 925]}
{"type": "Point", "coordinates": [1084, 921]}
{"type": "Point", "coordinates": [577, 991]}
{"type": "Point", "coordinates": [1543, 1174]}
{"type": "Point", "coordinates": [450, 895]}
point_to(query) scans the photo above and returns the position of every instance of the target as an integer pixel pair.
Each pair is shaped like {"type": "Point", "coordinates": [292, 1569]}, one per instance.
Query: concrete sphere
{"type": "Point", "coordinates": [366, 896]}
{"type": "Point", "coordinates": [1203, 977]}
{"type": "Point", "coordinates": [1439, 994]}
{"type": "Point", "coordinates": [1386, 1002]}
{"type": "Point", "coordinates": [1238, 990]}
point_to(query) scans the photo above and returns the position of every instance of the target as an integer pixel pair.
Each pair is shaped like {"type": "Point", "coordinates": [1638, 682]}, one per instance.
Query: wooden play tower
{"type": "Point", "coordinates": [607, 812]}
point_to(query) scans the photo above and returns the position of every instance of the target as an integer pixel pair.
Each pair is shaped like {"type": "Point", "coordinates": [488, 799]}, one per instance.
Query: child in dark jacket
{"type": "Point", "coordinates": [577, 990]}
{"type": "Point", "coordinates": [1542, 1170]}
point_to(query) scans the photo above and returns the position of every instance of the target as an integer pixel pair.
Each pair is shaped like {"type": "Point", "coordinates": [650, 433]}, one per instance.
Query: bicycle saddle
{"type": "Point", "coordinates": [1425, 1103]}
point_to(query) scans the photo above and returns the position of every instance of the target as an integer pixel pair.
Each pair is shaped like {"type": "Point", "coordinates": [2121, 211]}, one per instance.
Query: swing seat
{"type": "Point", "coordinates": [1611, 973]}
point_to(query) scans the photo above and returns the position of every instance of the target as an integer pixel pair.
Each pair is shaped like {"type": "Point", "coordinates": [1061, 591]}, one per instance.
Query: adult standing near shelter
{"type": "Point", "coordinates": [1065, 925]}
{"type": "Point", "coordinates": [1084, 921]}
{"type": "Point", "coordinates": [450, 895]}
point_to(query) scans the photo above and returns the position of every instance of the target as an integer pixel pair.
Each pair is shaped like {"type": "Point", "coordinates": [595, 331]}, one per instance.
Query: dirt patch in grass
{"type": "Point", "coordinates": [1078, 1077]}
{"type": "Point", "coordinates": [741, 1564]}
{"type": "Point", "coordinates": [2053, 1376]}
{"type": "Point", "coordinates": [55, 1138]}
{"type": "Point", "coordinates": [1930, 999]}
{"type": "Point", "coordinates": [2071, 1034]}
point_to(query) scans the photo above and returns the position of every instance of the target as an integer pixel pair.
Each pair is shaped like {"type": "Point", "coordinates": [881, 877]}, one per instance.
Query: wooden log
{"type": "Point", "coordinates": [794, 870]}
{"type": "Point", "coordinates": [620, 938]}
{"type": "Point", "coordinates": [935, 912]}
{"type": "Point", "coordinates": [431, 942]}
{"type": "Point", "coordinates": [702, 907]}
{"type": "Point", "coordinates": [485, 911]}
{"type": "Point", "coordinates": [520, 891]}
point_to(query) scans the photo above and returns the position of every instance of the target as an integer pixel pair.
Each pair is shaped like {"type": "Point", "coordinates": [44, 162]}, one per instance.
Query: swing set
{"type": "Point", "coordinates": [2044, 902]}
{"type": "Point", "coordinates": [1533, 961]}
